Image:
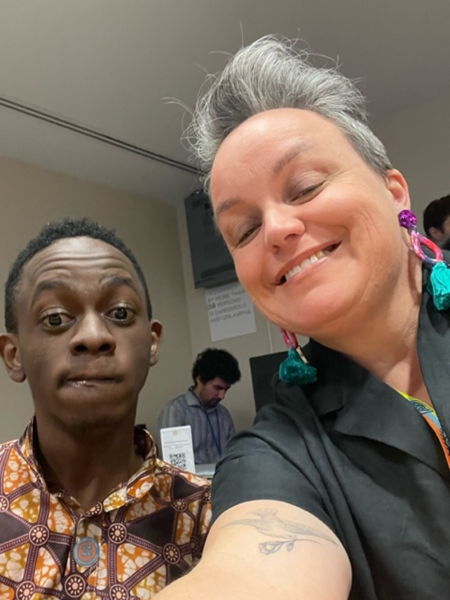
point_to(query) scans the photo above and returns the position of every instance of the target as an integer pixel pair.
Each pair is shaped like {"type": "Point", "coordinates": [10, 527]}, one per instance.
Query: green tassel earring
{"type": "Point", "coordinates": [295, 368]}
{"type": "Point", "coordinates": [439, 286]}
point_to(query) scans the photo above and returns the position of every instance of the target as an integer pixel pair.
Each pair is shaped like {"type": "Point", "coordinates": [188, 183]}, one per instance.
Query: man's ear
{"type": "Point", "coordinates": [157, 329]}
{"type": "Point", "coordinates": [398, 187]}
{"type": "Point", "coordinates": [10, 353]}
{"type": "Point", "coordinates": [436, 235]}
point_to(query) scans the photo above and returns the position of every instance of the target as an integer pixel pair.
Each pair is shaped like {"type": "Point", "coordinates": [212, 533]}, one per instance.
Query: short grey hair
{"type": "Point", "coordinates": [271, 73]}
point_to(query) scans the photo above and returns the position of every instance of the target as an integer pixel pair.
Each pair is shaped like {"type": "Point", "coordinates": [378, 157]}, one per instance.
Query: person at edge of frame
{"type": "Point", "coordinates": [86, 507]}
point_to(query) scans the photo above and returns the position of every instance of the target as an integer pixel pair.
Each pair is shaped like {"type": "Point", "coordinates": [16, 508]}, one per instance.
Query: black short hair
{"type": "Point", "coordinates": [435, 214]}
{"type": "Point", "coordinates": [51, 233]}
{"type": "Point", "coordinates": [212, 363]}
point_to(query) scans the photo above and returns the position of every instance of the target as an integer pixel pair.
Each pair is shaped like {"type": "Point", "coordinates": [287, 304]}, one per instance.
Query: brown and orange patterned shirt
{"type": "Point", "coordinates": [142, 536]}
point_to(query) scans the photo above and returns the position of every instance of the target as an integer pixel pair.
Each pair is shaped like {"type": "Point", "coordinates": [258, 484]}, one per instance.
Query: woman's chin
{"type": "Point", "coordinates": [319, 319]}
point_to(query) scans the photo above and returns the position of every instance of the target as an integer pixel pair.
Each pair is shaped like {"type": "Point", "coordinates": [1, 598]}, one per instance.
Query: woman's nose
{"type": "Point", "coordinates": [282, 224]}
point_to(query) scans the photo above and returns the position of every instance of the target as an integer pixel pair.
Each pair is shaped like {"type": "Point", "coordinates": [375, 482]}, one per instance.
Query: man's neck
{"type": "Point", "coordinates": [195, 391]}
{"type": "Point", "coordinates": [90, 466]}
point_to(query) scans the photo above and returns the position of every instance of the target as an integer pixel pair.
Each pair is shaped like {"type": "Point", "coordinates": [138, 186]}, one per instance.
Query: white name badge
{"type": "Point", "coordinates": [176, 447]}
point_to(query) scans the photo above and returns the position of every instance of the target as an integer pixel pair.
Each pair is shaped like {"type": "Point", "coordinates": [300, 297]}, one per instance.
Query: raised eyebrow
{"type": "Point", "coordinates": [109, 281]}
{"type": "Point", "coordinates": [49, 284]}
{"type": "Point", "coordinates": [288, 157]}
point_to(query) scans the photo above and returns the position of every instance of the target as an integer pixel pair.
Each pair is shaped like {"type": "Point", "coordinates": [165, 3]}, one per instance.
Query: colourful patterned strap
{"type": "Point", "coordinates": [432, 419]}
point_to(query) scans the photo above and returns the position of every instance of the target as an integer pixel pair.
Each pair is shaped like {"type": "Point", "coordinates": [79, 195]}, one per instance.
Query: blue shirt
{"type": "Point", "coordinates": [211, 427]}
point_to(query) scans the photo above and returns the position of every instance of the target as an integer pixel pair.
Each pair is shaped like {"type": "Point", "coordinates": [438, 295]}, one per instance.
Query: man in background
{"type": "Point", "coordinates": [213, 373]}
{"type": "Point", "coordinates": [436, 221]}
{"type": "Point", "coordinates": [86, 507]}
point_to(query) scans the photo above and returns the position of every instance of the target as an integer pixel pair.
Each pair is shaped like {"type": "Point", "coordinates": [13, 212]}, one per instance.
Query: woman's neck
{"type": "Point", "coordinates": [385, 342]}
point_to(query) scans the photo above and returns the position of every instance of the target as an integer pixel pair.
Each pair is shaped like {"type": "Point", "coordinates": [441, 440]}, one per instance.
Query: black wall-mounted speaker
{"type": "Point", "coordinates": [212, 264]}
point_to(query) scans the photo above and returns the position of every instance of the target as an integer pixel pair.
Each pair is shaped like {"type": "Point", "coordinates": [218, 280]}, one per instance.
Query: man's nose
{"type": "Point", "coordinates": [92, 335]}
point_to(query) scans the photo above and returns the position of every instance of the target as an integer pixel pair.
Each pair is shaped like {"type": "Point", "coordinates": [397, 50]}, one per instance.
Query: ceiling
{"type": "Point", "coordinates": [112, 65]}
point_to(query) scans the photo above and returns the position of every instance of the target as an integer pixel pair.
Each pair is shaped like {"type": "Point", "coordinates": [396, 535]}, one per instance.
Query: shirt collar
{"type": "Point", "coordinates": [144, 443]}
{"type": "Point", "coordinates": [351, 401]}
{"type": "Point", "coordinates": [191, 397]}
{"type": "Point", "coordinates": [193, 400]}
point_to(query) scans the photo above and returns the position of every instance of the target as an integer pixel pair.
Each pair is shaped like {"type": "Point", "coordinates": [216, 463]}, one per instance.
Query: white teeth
{"type": "Point", "coordinates": [305, 263]}
{"type": "Point", "coordinates": [308, 261]}
{"type": "Point", "coordinates": [293, 272]}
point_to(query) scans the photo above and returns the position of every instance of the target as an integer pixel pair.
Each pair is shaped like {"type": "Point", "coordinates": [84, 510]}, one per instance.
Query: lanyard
{"type": "Point", "coordinates": [216, 439]}
{"type": "Point", "coordinates": [433, 421]}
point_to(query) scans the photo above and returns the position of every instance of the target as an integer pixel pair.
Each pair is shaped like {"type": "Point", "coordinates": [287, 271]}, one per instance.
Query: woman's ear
{"type": "Point", "coordinates": [398, 187]}
{"type": "Point", "coordinates": [156, 328]}
{"type": "Point", "coordinates": [10, 353]}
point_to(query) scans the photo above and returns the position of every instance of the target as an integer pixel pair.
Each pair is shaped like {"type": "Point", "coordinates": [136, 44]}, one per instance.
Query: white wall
{"type": "Point", "coordinates": [418, 143]}
{"type": "Point", "coordinates": [29, 198]}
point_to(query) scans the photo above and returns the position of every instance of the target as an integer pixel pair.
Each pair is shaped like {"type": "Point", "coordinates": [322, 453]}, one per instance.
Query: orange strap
{"type": "Point", "coordinates": [430, 416]}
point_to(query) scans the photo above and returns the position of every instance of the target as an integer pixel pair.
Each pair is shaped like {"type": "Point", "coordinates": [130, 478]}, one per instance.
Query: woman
{"type": "Point", "coordinates": [340, 489]}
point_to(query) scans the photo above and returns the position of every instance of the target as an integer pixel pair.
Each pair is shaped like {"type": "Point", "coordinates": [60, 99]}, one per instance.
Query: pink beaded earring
{"type": "Point", "coordinates": [439, 286]}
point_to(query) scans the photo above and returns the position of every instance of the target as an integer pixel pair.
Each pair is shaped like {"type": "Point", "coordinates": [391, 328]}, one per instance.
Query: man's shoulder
{"type": "Point", "coordinates": [184, 482]}
{"type": "Point", "coordinates": [188, 398]}
{"type": "Point", "coordinates": [6, 446]}
{"type": "Point", "coordinates": [178, 398]}
{"type": "Point", "coordinates": [174, 413]}
{"type": "Point", "coordinates": [17, 462]}
{"type": "Point", "coordinates": [177, 402]}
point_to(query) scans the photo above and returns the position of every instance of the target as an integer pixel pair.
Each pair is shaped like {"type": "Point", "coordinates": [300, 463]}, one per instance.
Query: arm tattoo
{"type": "Point", "coordinates": [283, 533]}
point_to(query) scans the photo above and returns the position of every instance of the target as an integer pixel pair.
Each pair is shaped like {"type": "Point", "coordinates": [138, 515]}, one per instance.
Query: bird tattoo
{"type": "Point", "coordinates": [284, 533]}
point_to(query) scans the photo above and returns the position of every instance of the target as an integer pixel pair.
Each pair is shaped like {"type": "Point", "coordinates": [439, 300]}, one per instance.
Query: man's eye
{"type": "Point", "coordinates": [54, 320]}
{"type": "Point", "coordinates": [121, 313]}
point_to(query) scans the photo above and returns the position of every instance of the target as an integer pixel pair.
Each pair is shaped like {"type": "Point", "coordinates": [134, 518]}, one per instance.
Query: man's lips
{"type": "Point", "coordinates": [303, 262]}
{"type": "Point", "coordinates": [89, 380]}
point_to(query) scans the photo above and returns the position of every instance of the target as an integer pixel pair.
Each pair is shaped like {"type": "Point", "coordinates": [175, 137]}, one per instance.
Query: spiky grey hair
{"type": "Point", "coordinates": [272, 73]}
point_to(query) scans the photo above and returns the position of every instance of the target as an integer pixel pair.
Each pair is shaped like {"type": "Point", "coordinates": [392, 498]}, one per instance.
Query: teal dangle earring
{"type": "Point", "coordinates": [439, 286]}
{"type": "Point", "coordinates": [295, 368]}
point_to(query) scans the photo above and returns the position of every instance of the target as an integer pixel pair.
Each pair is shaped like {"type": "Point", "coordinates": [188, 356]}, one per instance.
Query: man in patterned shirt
{"type": "Point", "coordinates": [86, 508]}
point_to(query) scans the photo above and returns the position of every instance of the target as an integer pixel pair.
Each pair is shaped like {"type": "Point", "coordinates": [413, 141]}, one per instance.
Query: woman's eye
{"type": "Point", "coordinates": [302, 195]}
{"type": "Point", "coordinates": [245, 237]}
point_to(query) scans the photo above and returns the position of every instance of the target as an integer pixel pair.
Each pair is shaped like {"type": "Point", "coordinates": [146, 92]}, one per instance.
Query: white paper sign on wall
{"type": "Point", "coordinates": [230, 312]}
